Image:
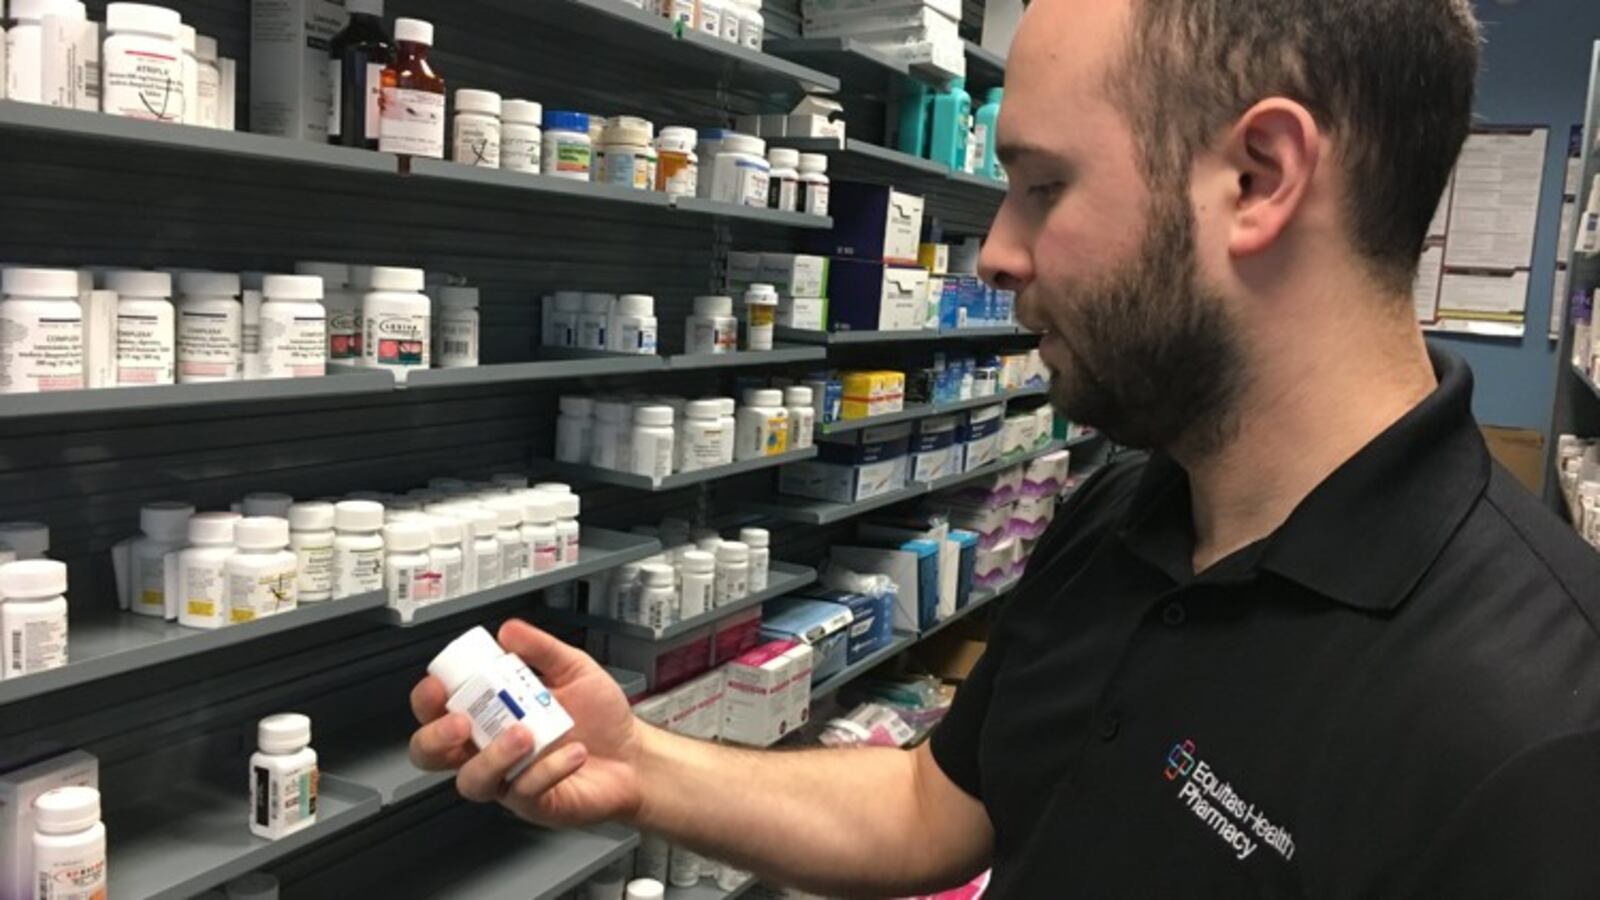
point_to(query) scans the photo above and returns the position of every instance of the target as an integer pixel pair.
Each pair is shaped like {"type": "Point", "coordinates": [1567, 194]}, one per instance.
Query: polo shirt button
{"type": "Point", "coordinates": [1110, 725]}
{"type": "Point", "coordinates": [1173, 615]}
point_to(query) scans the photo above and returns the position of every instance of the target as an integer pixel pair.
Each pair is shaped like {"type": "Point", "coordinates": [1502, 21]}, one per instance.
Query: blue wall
{"type": "Point", "coordinates": [1535, 71]}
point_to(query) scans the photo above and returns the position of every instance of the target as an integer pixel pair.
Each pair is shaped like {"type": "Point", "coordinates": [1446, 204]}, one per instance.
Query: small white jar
{"type": "Point", "coordinates": [476, 137]}
{"type": "Point", "coordinates": [210, 328]}
{"type": "Point", "coordinates": [311, 537]}
{"type": "Point", "coordinates": [574, 430]}
{"type": "Point", "coordinates": [594, 321]}
{"type": "Point", "coordinates": [483, 554]}
{"type": "Point", "coordinates": [357, 547]}
{"type": "Point", "coordinates": [709, 17]}
{"type": "Point", "coordinates": [649, 888]}
{"type": "Point", "coordinates": [611, 444]}
{"type": "Point", "coordinates": [568, 533]}
{"type": "Point", "coordinates": [396, 318]}
{"type": "Point", "coordinates": [802, 417]}
{"type": "Point", "coordinates": [456, 337]}
{"type": "Point", "coordinates": [445, 558]}
{"type": "Point", "coordinates": [740, 172]}
{"type": "Point", "coordinates": [283, 777]}
{"type": "Point", "coordinates": [712, 328]}
{"type": "Point", "coordinates": [658, 601]}
{"type": "Point", "coordinates": [652, 442]}
{"type": "Point", "coordinates": [41, 331]}
{"type": "Point", "coordinates": [760, 557]}
{"type": "Point", "coordinates": [164, 526]}
{"type": "Point", "coordinates": [189, 66]}
{"type": "Point", "coordinates": [262, 573]}
{"type": "Point", "coordinates": [520, 136]}
{"type": "Point", "coordinates": [731, 21]}
{"type": "Point", "coordinates": [201, 583]}
{"type": "Point", "coordinates": [698, 577]}
{"type": "Point", "coordinates": [752, 25]}
{"type": "Point", "coordinates": [633, 325]}
{"type": "Point", "coordinates": [677, 164]}
{"type": "Point", "coordinates": [147, 337]}
{"type": "Point", "coordinates": [760, 316]}
{"type": "Point", "coordinates": [342, 301]}
{"type": "Point", "coordinates": [702, 439]}
{"type": "Point", "coordinates": [539, 531]}
{"type": "Point", "coordinates": [733, 572]}
{"type": "Point", "coordinates": [33, 618]}
{"type": "Point", "coordinates": [783, 188]}
{"type": "Point", "coordinates": [763, 428]}
{"type": "Point", "coordinates": [142, 65]}
{"type": "Point", "coordinates": [508, 532]}
{"type": "Point", "coordinates": [568, 151]}
{"type": "Point", "coordinates": [814, 184]}
{"type": "Point", "coordinates": [730, 429]}
{"type": "Point", "coordinates": [626, 155]}
{"type": "Point", "coordinates": [69, 843]}
{"type": "Point", "coordinates": [294, 327]}
{"type": "Point", "coordinates": [23, 67]}
{"type": "Point", "coordinates": [407, 577]}
{"type": "Point", "coordinates": [562, 329]}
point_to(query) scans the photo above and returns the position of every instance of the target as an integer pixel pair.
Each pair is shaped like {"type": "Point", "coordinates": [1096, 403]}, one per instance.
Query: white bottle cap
{"type": "Point", "coordinates": [208, 284]}
{"type": "Point", "coordinates": [446, 529]}
{"type": "Point", "coordinates": [636, 305]}
{"type": "Point", "coordinates": [415, 31]}
{"type": "Point", "coordinates": [814, 162]}
{"type": "Point", "coordinates": [26, 538]}
{"type": "Point", "coordinates": [539, 507]}
{"type": "Point", "coordinates": [553, 487]}
{"type": "Point", "coordinates": [458, 297]}
{"type": "Point", "coordinates": [31, 10]}
{"type": "Point", "coordinates": [657, 575]}
{"type": "Point", "coordinates": [165, 520]}
{"type": "Point", "coordinates": [522, 112]}
{"type": "Point", "coordinates": [628, 130]}
{"type": "Point", "coordinates": [358, 515]}
{"type": "Point", "coordinates": [761, 293]}
{"type": "Point", "coordinates": [266, 503]}
{"type": "Point", "coordinates": [733, 552]}
{"type": "Point", "coordinates": [292, 287]}
{"type": "Point", "coordinates": [484, 523]}
{"type": "Point", "coordinates": [464, 657]}
{"type": "Point", "coordinates": [577, 407]}
{"type": "Point", "coordinates": [143, 18]}
{"type": "Point", "coordinates": [205, 48]}
{"type": "Point", "coordinates": [136, 283]}
{"type": "Point", "coordinates": [713, 306]}
{"type": "Point", "coordinates": [645, 889]}
{"type": "Point", "coordinates": [598, 303]}
{"type": "Point", "coordinates": [186, 38]}
{"type": "Point", "coordinates": [784, 157]}
{"type": "Point", "coordinates": [283, 733]}
{"type": "Point", "coordinates": [653, 416]}
{"type": "Point", "coordinates": [733, 142]}
{"type": "Point", "coordinates": [259, 885]}
{"type": "Point", "coordinates": [568, 505]}
{"type": "Point", "coordinates": [507, 510]}
{"type": "Point", "coordinates": [797, 395]}
{"type": "Point", "coordinates": [39, 283]}
{"type": "Point", "coordinates": [754, 537]}
{"type": "Point", "coordinates": [33, 578]}
{"type": "Point", "coordinates": [408, 536]}
{"type": "Point", "coordinates": [65, 810]}
{"type": "Point", "coordinates": [213, 528]}
{"type": "Point", "coordinates": [704, 409]}
{"type": "Point", "coordinates": [471, 100]}
{"type": "Point", "coordinates": [312, 516]}
{"type": "Point", "coordinates": [698, 561]}
{"type": "Point", "coordinates": [728, 405]}
{"type": "Point", "coordinates": [334, 275]}
{"type": "Point", "coordinates": [261, 533]}
{"type": "Point", "coordinates": [397, 278]}
{"type": "Point", "coordinates": [763, 397]}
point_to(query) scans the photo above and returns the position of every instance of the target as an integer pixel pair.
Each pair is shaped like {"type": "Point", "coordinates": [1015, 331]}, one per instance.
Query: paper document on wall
{"type": "Point", "coordinates": [1495, 207]}
{"type": "Point", "coordinates": [1558, 301]}
{"type": "Point", "coordinates": [1569, 223]}
{"type": "Point", "coordinates": [1484, 295]}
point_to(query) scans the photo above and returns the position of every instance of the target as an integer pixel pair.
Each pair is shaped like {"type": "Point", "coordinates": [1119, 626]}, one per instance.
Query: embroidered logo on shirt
{"type": "Point", "coordinates": [1233, 819]}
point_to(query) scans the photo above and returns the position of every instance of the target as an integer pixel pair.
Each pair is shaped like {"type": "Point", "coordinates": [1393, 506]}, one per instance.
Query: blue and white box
{"type": "Point", "coordinates": [869, 295]}
{"type": "Point", "coordinates": [871, 222]}
{"type": "Point", "coordinates": [825, 626]}
{"type": "Point", "coordinates": [871, 619]}
{"type": "Point", "coordinates": [980, 436]}
{"type": "Point", "coordinates": [934, 453]}
{"type": "Point", "coordinates": [869, 445]}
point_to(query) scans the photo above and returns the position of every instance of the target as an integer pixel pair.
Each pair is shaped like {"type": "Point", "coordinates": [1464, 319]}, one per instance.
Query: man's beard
{"type": "Point", "coordinates": [1154, 361]}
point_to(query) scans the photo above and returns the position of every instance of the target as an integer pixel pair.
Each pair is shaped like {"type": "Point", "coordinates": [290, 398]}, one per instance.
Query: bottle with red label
{"type": "Point", "coordinates": [396, 321]}
{"type": "Point", "coordinates": [412, 111]}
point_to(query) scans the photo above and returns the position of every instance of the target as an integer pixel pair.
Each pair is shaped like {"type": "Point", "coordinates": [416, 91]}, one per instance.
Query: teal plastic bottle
{"type": "Point", "coordinates": [952, 113]}
{"type": "Point", "coordinates": [914, 104]}
{"type": "Point", "coordinates": [984, 133]}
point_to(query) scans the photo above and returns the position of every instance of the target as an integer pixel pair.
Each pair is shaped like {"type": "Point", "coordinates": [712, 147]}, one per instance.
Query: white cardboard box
{"type": "Point", "coordinates": [795, 274]}
{"type": "Point", "coordinates": [758, 708]}
{"type": "Point", "coordinates": [808, 313]}
{"type": "Point", "coordinates": [813, 9]}
{"type": "Point", "coordinates": [949, 57]}
{"type": "Point", "coordinates": [18, 790]}
{"type": "Point", "coordinates": [843, 484]}
{"type": "Point", "coordinates": [291, 85]}
{"type": "Point", "coordinates": [905, 299]}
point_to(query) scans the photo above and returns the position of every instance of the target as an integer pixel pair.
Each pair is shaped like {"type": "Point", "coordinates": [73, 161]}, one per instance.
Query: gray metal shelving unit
{"type": "Point", "coordinates": [832, 338]}
{"type": "Point", "coordinates": [679, 479]}
{"type": "Point", "coordinates": [782, 579]}
{"type": "Point", "coordinates": [338, 382]}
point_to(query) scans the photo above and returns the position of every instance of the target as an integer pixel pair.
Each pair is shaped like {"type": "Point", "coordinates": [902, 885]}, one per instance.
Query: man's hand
{"type": "Point", "coordinates": [589, 776]}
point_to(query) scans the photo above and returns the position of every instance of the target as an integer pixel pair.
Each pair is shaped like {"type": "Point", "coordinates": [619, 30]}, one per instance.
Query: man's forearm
{"type": "Point", "coordinates": [833, 821]}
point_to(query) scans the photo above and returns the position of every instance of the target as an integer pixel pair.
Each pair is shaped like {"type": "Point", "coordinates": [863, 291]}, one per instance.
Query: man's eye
{"type": "Point", "coordinates": [1046, 192]}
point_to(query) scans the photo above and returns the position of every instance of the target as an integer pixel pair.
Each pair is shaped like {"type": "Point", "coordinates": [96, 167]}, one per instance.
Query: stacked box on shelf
{"type": "Point", "coordinates": [934, 451]}
{"type": "Point", "coordinates": [874, 280]}
{"type": "Point", "coordinates": [979, 436]}
{"type": "Point", "coordinates": [871, 619]}
{"type": "Point", "coordinates": [800, 279]}
{"type": "Point", "coordinates": [667, 664]}
{"type": "Point", "coordinates": [919, 32]}
{"type": "Point", "coordinates": [824, 626]}
{"type": "Point", "coordinates": [853, 466]}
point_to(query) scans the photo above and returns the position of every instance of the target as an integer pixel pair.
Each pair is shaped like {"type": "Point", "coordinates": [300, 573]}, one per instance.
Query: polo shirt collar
{"type": "Point", "coordinates": [1366, 535]}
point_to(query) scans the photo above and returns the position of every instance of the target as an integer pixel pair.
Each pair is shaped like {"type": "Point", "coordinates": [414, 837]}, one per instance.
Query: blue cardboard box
{"type": "Point", "coordinates": [869, 445]}
{"type": "Point", "coordinates": [825, 626]}
{"type": "Point", "coordinates": [869, 295]}
{"type": "Point", "coordinates": [872, 625]}
{"type": "Point", "coordinates": [870, 222]}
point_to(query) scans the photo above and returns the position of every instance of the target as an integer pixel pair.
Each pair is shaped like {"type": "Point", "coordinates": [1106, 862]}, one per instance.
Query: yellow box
{"type": "Point", "coordinates": [934, 257]}
{"type": "Point", "coordinates": [873, 393]}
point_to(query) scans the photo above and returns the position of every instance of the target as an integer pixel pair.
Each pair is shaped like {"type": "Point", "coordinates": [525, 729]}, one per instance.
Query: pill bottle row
{"type": "Point", "coordinates": [735, 21]}
{"type": "Point", "coordinates": [698, 572]}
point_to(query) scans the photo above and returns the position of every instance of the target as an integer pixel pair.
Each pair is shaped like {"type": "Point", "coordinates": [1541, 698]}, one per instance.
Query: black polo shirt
{"type": "Point", "coordinates": [1396, 694]}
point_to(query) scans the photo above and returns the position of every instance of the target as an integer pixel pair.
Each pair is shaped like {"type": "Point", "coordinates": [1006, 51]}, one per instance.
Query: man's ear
{"type": "Point", "coordinates": [1273, 150]}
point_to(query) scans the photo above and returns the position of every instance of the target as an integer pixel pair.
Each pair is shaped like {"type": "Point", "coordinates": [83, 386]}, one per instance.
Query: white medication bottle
{"type": "Point", "coordinates": [657, 597]}
{"type": "Point", "coordinates": [539, 531]}
{"type": "Point", "coordinates": [783, 188]}
{"type": "Point", "coordinates": [147, 346]}
{"type": "Point", "coordinates": [202, 581]}
{"type": "Point", "coordinates": [633, 325]}
{"type": "Point", "coordinates": [483, 557]}
{"type": "Point", "coordinates": [566, 308]}
{"type": "Point", "coordinates": [407, 578]}
{"type": "Point", "coordinates": [475, 139]}
{"type": "Point", "coordinates": [311, 537]}
{"type": "Point", "coordinates": [752, 25]}
{"type": "Point", "coordinates": [731, 21]}
{"type": "Point", "coordinates": [262, 572]}
{"type": "Point", "coordinates": [627, 155]}
{"type": "Point", "coordinates": [730, 437]}
{"type": "Point", "coordinates": [343, 305]}
{"type": "Point", "coordinates": [760, 556]}
{"type": "Point", "coordinates": [254, 886]}
{"type": "Point", "coordinates": [709, 20]}
{"type": "Point", "coordinates": [677, 164]}
{"type": "Point", "coordinates": [700, 438]}
{"type": "Point", "coordinates": [645, 889]}
{"type": "Point", "coordinates": [69, 845]}
{"type": "Point", "coordinates": [189, 66]}
{"type": "Point", "coordinates": [395, 317]}
{"type": "Point", "coordinates": [763, 424]}
{"type": "Point", "coordinates": [283, 777]}
{"type": "Point", "coordinates": [445, 557]}
{"type": "Point", "coordinates": [622, 594]}
{"type": "Point", "coordinates": [761, 315]}
{"type": "Point", "coordinates": [740, 173]}
{"type": "Point", "coordinates": [41, 331]}
{"type": "Point", "coordinates": [733, 572]}
{"type": "Point", "coordinates": [520, 136]}
{"type": "Point", "coordinates": [33, 617]}
{"type": "Point", "coordinates": [210, 328]}
{"type": "Point", "coordinates": [802, 416]}
{"type": "Point", "coordinates": [357, 547]}
{"type": "Point", "coordinates": [28, 540]}
{"type": "Point", "coordinates": [25, 51]}
{"type": "Point", "coordinates": [652, 442]}
{"type": "Point", "coordinates": [208, 88]}
{"type": "Point", "coordinates": [508, 532]}
{"type": "Point", "coordinates": [594, 322]}
{"type": "Point", "coordinates": [456, 334]}
{"type": "Point", "coordinates": [697, 574]}
{"type": "Point", "coordinates": [574, 429]}
{"type": "Point", "coordinates": [142, 64]}
{"type": "Point", "coordinates": [683, 864]}
{"type": "Point", "coordinates": [568, 150]}
{"type": "Point", "coordinates": [610, 435]}
{"type": "Point", "coordinates": [266, 503]}
{"type": "Point", "coordinates": [141, 563]}
{"type": "Point", "coordinates": [70, 44]}
{"type": "Point", "coordinates": [496, 690]}
{"type": "Point", "coordinates": [712, 328]}
{"type": "Point", "coordinates": [294, 327]}
{"type": "Point", "coordinates": [568, 533]}
{"type": "Point", "coordinates": [814, 184]}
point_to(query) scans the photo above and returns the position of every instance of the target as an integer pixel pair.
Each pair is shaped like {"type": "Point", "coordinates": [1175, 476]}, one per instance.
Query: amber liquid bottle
{"type": "Point", "coordinates": [412, 119]}
{"type": "Point", "coordinates": [359, 53]}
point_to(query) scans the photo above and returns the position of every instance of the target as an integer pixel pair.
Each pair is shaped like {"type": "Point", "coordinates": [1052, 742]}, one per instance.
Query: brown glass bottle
{"type": "Point", "coordinates": [412, 122]}
{"type": "Point", "coordinates": [360, 54]}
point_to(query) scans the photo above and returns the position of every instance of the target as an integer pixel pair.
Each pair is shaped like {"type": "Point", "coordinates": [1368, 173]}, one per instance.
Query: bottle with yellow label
{"type": "Point", "coordinates": [262, 575]}
{"type": "Point", "coordinates": [199, 579]}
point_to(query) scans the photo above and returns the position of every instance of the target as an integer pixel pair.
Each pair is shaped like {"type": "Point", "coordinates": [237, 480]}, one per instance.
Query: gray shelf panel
{"type": "Point", "coordinates": [827, 512]}
{"type": "Point", "coordinates": [548, 185]}
{"type": "Point", "coordinates": [681, 479]}
{"type": "Point", "coordinates": [192, 837]}
{"type": "Point", "coordinates": [708, 890]}
{"type": "Point", "coordinates": [720, 210]}
{"type": "Point", "coordinates": [599, 549]}
{"type": "Point", "coordinates": [889, 337]}
{"type": "Point", "coordinates": [985, 69]}
{"type": "Point", "coordinates": [538, 370]}
{"type": "Point", "coordinates": [844, 426]}
{"type": "Point", "coordinates": [779, 355]}
{"type": "Point", "coordinates": [381, 761]}
{"type": "Point", "coordinates": [782, 579]}
{"type": "Point", "coordinates": [1004, 462]}
{"type": "Point", "coordinates": [862, 69]}
{"type": "Point", "coordinates": [1594, 389]}
{"type": "Point", "coordinates": [902, 640]}
{"type": "Point", "coordinates": [117, 643]}
{"type": "Point", "coordinates": [338, 382]}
